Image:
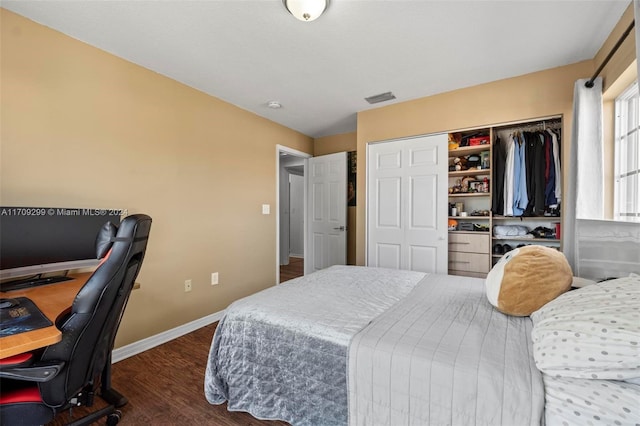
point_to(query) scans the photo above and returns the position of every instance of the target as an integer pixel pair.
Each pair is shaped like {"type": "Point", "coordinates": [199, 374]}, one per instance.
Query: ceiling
{"type": "Point", "coordinates": [251, 52]}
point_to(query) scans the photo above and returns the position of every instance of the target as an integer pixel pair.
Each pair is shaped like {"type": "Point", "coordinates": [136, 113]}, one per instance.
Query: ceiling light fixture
{"type": "Point", "coordinates": [306, 10]}
{"type": "Point", "coordinates": [274, 104]}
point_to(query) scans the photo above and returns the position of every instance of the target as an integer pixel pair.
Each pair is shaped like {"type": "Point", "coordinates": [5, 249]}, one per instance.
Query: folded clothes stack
{"type": "Point", "coordinates": [542, 232]}
{"type": "Point", "coordinates": [510, 231]}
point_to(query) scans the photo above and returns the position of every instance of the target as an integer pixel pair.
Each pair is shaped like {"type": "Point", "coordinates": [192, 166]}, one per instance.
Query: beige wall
{"type": "Point", "coordinates": [81, 127]}
{"type": "Point", "coordinates": [336, 143]}
{"type": "Point", "coordinates": [619, 73]}
{"type": "Point", "coordinates": [625, 54]}
{"type": "Point", "coordinates": [535, 95]}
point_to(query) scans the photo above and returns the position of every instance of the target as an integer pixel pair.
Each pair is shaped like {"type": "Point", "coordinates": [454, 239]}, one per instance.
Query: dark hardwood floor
{"type": "Point", "coordinates": [165, 386]}
{"type": "Point", "coordinates": [294, 269]}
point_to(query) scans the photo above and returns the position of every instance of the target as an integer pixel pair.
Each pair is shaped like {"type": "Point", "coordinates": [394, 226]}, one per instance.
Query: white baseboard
{"type": "Point", "coordinates": [140, 346]}
{"type": "Point", "coordinates": [297, 256]}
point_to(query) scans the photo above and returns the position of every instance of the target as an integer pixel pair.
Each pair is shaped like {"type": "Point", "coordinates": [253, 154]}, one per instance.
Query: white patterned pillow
{"type": "Point", "coordinates": [591, 333]}
{"type": "Point", "coordinates": [570, 401]}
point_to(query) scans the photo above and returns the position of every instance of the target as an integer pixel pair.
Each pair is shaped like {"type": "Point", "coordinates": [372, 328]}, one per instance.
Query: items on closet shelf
{"type": "Point", "coordinates": [527, 174]}
{"type": "Point", "coordinates": [509, 232]}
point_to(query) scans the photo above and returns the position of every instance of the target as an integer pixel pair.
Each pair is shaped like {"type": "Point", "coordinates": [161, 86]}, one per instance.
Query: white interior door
{"type": "Point", "coordinates": [326, 212]}
{"type": "Point", "coordinates": [407, 204]}
{"type": "Point", "coordinates": [296, 216]}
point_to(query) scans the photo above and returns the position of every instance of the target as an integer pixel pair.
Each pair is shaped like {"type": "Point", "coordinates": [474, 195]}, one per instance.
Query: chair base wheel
{"type": "Point", "coordinates": [114, 418]}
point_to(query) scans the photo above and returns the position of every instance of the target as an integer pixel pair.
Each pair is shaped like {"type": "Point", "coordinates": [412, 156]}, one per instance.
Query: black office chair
{"type": "Point", "coordinates": [36, 387]}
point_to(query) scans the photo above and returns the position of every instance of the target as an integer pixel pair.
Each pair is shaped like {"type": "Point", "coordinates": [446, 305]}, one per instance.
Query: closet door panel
{"type": "Point", "coordinates": [406, 204]}
{"type": "Point", "coordinates": [389, 203]}
{"type": "Point", "coordinates": [388, 256]}
{"type": "Point", "coordinates": [423, 198]}
{"type": "Point", "coordinates": [423, 259]}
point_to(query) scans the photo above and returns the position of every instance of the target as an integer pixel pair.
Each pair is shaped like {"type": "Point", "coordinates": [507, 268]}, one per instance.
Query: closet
{"type": "Point", "coordinates": [469, 195]}
{"type": "Point", "coordinates": [532, 213]}
{"type": "Point", "coordinates": [444, 203]}
{"type": "Point", "coordinates": [504, 192]}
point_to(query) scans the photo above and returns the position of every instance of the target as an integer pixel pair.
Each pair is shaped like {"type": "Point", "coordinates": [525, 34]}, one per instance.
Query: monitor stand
{"type": "Point", "coordinates": [32, 282]}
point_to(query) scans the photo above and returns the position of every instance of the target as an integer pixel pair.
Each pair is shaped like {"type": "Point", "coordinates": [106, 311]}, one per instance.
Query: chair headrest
{"type": "Point", "coordinates": [105, 238]}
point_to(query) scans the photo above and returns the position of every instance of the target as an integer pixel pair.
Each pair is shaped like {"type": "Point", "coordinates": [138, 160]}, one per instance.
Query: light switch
{"type": "Point", "coordinates": [266, 209]}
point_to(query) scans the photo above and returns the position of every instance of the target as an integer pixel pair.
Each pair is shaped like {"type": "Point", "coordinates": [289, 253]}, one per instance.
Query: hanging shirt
{"type": "Point", "coordinates": [556, 161]}
{"type": "Point", "coordinates": [499, 159]}
{"type": "Point", "coordinates": [530, 150]}
{"type": "Point", "coordinates": [508, 178]}
{"type": "Point", "coordinates": [550, 173]}
{"type": "Point", "coordinates": [538, 209]}
{"type": "Point", "coordinates": [520, 198]}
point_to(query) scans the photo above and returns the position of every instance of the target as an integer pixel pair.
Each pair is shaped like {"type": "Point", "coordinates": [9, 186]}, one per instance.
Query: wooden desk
{"type": "Point", "coordinates": [53, 300]}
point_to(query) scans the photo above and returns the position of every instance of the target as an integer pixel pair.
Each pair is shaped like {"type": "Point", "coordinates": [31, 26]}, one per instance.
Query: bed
{"type": "Point", "coordinates": [365, 346]}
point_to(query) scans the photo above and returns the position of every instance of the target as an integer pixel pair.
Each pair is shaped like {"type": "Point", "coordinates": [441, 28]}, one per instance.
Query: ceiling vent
{"type": "Point", "coordinates": [382, 97]}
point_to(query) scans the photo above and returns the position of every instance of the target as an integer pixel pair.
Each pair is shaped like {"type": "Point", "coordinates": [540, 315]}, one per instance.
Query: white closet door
{"type": "Point", "coordinates": [407, 204]}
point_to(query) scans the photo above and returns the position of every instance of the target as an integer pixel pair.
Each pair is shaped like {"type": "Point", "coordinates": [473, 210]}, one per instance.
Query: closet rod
{"type": "Point", "coordinates": [604, 63]}
{"type": "Point", "coordinates": [540, 125]}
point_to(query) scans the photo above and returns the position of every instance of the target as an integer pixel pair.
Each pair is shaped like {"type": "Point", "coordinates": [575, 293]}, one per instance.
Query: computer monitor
{"type": "Point", "coordinates": [38, 240]}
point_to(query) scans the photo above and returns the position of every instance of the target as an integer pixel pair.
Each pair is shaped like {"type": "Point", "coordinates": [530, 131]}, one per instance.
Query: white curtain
{"type": "Point", "coordinates": [595, 248]}
{"type": "Point", "coordinates": [636, 13]}
{"type": "Point", "coordinates": [584, 194]}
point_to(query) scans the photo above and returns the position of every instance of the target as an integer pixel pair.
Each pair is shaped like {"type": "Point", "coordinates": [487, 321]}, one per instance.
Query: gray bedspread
{"type": "Point", "coordinates": [282, 353]}
{"type": "Point", "coordinates": [444, 356]}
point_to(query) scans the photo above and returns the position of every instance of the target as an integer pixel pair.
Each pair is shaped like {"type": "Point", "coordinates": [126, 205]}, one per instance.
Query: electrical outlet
{"type": "Point", "coordinates": [187, 286]}
{"type": "Point", "coordinates": [214, 278]}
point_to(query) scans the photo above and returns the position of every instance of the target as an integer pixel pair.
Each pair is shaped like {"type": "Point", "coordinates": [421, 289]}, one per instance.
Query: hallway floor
{"type": "Point", "coordinates": [294, 269]}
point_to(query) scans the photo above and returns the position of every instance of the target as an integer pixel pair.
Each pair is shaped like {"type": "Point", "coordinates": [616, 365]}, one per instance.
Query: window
{"type": "Point", "coordinates": [627, 156]}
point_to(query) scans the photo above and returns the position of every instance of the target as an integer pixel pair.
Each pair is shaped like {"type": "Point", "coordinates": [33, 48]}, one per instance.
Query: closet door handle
{"type": "Point", "coordinates": [340, 228]}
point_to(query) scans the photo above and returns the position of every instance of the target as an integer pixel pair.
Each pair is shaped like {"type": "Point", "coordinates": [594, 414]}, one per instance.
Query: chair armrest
{"type": "Point", "coordinates": [36, 372]}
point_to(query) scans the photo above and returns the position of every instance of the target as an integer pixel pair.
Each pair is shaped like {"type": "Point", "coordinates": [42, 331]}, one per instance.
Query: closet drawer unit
{"type": "Point", "coordinates": [470, 262]}
{"type": "Point", "coordinates": [469, 243]}
{"type": "Point", "coordinates": [468, 274]}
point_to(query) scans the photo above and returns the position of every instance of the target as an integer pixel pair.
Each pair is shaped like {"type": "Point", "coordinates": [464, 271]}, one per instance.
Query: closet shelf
{"type": "Point", "coordinates": [461, 173]}
{"type": "Point", "coordinates": [470, 232]}
{"type": "Point", "coordinates": [470, 217]}
{"type": "Point", "coordinates": [531, 218]}
{"type": "Point", "coordinates": [470, 194]}
{"type": "Point", "coordinates": [548, 240]}
{"type": "Point", "coordinates": [468, 150]}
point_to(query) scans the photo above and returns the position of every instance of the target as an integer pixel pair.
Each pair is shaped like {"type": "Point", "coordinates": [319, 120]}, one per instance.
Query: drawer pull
{"type": "Point", "coordinates": [455, 242]}
{"type": "Point", "coordinates": [459, 261]}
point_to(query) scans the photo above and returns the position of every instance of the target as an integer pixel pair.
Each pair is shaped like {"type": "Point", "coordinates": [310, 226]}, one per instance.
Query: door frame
{"type": "Point", "coordinates": [281, 149]}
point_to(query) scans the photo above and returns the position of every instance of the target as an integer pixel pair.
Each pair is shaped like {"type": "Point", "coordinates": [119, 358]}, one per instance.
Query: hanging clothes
{"type": "Point", "coordinates": [540, 184]}
{"type": "Point", "coordinates": [498, 163]}
{"type": "Point", "coordinates": [549, 172]}
{"type": "Point", "coordinates": [520, 198]}
{"type": "Point", "coordinates": [509, 174]}
{"type": "Point", "coordinates": [530, 152]}
{"type": "Point", "coordinates": [555, 141]}
{"type": "Point", "coordinates": [527, 175]}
